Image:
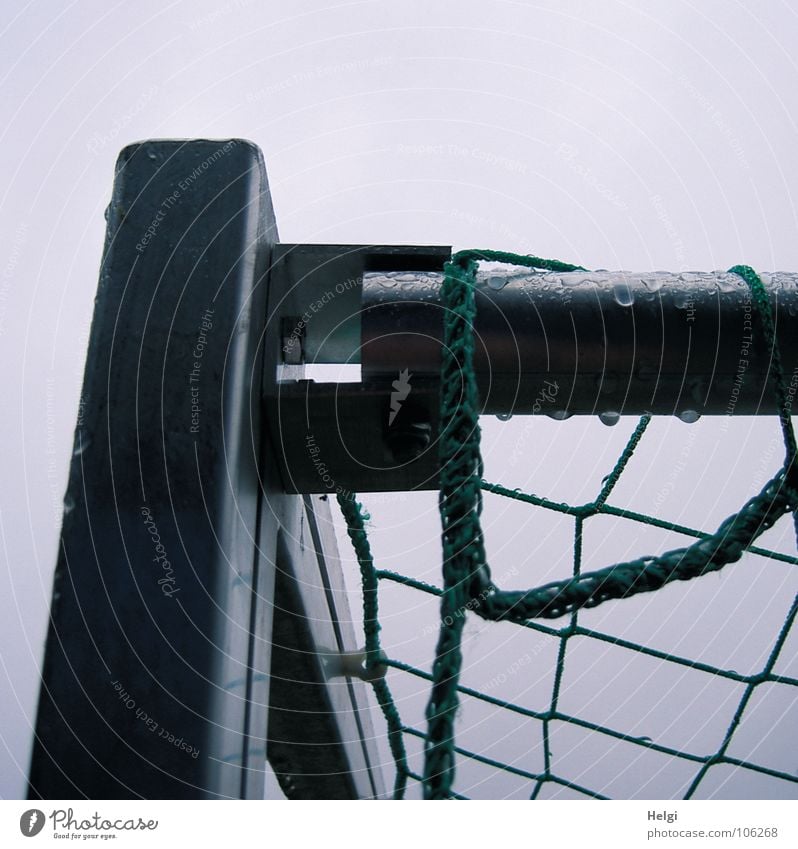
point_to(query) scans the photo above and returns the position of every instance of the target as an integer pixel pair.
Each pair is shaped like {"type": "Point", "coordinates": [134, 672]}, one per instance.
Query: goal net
{"type": "Point", "coordinates": [668, 674]}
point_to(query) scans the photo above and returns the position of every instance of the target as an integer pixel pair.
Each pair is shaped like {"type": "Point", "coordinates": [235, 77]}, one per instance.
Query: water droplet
{"type": "Point", "coordinates": [681, 300]}
{"type": "Point", "coordinates": [559, 415]}
{"type": "Point", "coordinates": [405, 278]}
{"type": "Point", "coordinates": [623, 294]}
{"type": "Point", "coordinates": [497, 281]}
{"type": "Point", "coordinates": [689, 416]}
{"type": "Point", "coordinates": [609, 418]}
{"type": "Point", "coordinates": [728, 282]}
{"type": "Point", "coordinates": [653, 284]}
{"type": "Point", "coordinates": [504, 417]}
{"type": "Point", "coordinates": [69, 504]}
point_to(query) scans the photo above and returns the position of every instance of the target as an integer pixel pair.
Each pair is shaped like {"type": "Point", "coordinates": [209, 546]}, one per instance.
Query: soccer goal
{"type": "Point", "coordinates": [201, 622]}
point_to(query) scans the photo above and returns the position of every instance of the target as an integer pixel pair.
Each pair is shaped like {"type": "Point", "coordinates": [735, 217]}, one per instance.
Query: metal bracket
{"type": "Point", "coordinates": [340, 437]}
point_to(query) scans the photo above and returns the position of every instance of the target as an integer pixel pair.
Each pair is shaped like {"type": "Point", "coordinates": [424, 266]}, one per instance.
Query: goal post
{"type": "Point", "coordinates": [156, 675]}
{"type": "Point", "coordinates": [199, 621]}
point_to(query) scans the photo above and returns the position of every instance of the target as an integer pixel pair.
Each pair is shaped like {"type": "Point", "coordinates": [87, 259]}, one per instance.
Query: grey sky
{"type": "Point", "coordinates": [634, 135]}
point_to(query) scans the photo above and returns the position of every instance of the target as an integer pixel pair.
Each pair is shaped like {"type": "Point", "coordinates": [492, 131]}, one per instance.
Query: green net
{"type": "Point", "coordinates": [468, 587]}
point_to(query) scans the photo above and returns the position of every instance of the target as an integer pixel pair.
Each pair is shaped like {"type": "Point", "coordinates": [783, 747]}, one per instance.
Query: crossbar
{"type": "Point", "coordinates": [606, 344]}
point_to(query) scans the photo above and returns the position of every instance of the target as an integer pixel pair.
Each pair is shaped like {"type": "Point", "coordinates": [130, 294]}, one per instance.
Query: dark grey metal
{"type": "Point", "coordinates": [587, 343]}
{"type": "Point", "coordinates": [320, 293]}
{"type": "Point", "coordinates": [583, 343]}
{"type": "Point", "coordinates": [156, 672]}
{"type": "Point", "coordinates": [153, 596]}
{"type": "Point", "coordinates": [332, 437]}
{"type": "Point", "coordinates": [321, 739]}
{"type": "Point", "coordinates": [337, 438]}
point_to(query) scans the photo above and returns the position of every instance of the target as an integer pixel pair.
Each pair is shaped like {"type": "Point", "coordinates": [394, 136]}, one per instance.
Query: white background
{"type": "Point", "coordinates": [636, 135]}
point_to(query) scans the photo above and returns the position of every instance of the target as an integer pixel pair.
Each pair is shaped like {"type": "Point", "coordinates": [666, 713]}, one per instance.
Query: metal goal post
{"type": "Point", "coordinates": [198, 611]}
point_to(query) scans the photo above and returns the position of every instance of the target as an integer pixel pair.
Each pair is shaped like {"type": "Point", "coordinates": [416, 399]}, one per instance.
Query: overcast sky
{"type": "Point", "coordinates": [637, 135]}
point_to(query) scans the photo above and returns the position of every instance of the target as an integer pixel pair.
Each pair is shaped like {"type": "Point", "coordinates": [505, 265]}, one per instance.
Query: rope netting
{"type": "Point", "coordinates": [467, 585]}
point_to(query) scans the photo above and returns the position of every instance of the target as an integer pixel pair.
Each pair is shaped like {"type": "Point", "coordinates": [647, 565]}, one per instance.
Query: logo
{"type": "Point", "coordinates": [401, 391]}
{"type": "Point", "coordinates": [31, 822]}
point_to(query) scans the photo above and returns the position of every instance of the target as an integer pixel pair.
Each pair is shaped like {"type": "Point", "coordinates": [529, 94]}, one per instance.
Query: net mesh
{"type": "Point", "coordinates": [468, 588]}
